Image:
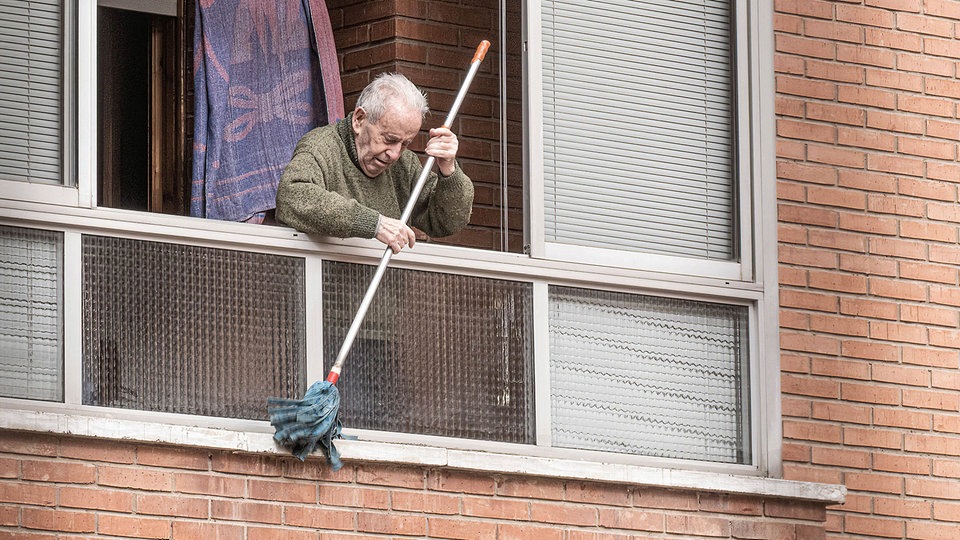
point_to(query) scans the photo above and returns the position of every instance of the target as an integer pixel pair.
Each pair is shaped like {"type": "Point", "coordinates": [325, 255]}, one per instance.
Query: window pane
{"type": "Point", "coordinates": [30, 90]}
{"type": "Point", "coordinates": [438, 354]}
{"type": "Point", "coordinates": [31, 314]}
{"type": "Point", "coordinates": [190, 330]}
{"type": "Point", "coordinates": [638, 136]}
{"type": "Point", "coordinates": [649, 376]}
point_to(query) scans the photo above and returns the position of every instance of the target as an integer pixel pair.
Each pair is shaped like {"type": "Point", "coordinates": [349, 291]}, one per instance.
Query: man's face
{"type": "Point", "coordinates": [380, 144]}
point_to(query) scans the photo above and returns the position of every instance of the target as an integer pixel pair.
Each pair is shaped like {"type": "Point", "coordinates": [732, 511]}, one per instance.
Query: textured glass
{"type": "Point", "coordinates": [438, 354]}
{"type": "Point", "coordinates": [649, 376]}
{"type": "Point", "coordinates": [191, 330]}
{"type": "Point", "coordinates": [31, 314]}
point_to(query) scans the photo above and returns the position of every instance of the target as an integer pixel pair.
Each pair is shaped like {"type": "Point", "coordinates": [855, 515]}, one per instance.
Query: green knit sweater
{"type": "Point", "coordinates": [323, 190]}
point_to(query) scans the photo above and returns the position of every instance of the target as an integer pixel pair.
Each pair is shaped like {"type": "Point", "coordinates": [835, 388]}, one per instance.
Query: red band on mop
{"type": "Point", "coordinates": [332, 377]}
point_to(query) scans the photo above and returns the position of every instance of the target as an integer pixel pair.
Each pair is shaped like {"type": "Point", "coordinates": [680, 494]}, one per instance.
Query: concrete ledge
{"type": "Point", "coordinates": [471, 460]}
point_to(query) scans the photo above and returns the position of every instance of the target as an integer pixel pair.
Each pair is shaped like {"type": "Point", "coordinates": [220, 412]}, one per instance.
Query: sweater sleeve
{"type": "Point", "coordinates": [305, 203]}
{"type": "Point", "coordinates": [445, 204]}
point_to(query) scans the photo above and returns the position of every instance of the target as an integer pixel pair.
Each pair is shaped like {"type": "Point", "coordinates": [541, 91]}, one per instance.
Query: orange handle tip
{"type": "Point", "coordinates": [482, 49]}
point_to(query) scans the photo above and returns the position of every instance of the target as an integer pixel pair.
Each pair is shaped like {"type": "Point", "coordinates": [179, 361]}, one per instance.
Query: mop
{"type": "Point", "coordinates": [314, 421]}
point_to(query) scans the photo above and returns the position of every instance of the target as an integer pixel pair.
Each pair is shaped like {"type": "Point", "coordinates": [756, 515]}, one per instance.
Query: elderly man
{"type": "Point", "coordinates": [353, 178]}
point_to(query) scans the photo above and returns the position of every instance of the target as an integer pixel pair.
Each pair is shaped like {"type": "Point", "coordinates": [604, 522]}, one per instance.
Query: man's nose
{"type": "Point", "coordinates": [393, 151]}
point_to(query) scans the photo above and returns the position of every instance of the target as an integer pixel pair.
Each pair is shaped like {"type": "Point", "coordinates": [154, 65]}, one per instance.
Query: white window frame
{"type": "Point", "coordinates": [754, 286]}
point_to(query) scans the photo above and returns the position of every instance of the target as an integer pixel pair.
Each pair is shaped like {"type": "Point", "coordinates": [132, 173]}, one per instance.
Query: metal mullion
{"type": "Point", "coordinates": [541, 362]}
{"type": "Point", "coordinates": [72, 318]}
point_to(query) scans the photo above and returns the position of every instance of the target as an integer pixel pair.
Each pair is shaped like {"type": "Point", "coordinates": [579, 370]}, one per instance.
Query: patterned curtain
{"type": "Point", "coordinates": [265, 73]}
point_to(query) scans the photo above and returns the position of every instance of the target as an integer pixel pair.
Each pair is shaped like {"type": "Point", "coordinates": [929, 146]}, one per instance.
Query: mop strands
{"type": "Point", "coordinates": [314, 421]}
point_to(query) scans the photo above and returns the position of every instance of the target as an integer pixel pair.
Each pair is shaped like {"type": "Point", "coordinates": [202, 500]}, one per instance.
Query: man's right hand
{"type": "Point", "coordinates": [395, 234]}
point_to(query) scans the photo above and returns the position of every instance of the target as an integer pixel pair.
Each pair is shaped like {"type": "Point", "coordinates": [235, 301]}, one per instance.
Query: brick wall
{"type": "Point", "coordinates": [67, 485]}
{"type": "Point", "coordinates": [868, 131]}
{"type": "Point", "coordinates": [432, 44]}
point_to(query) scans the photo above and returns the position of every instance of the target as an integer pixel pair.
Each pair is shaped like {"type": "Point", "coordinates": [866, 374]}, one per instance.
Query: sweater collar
{"type": "Point", "coordinates": [345, 130]}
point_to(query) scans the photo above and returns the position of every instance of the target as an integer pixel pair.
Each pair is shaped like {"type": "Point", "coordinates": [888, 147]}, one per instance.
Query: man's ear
{"type": "Point", "coordinates": [359, 115]}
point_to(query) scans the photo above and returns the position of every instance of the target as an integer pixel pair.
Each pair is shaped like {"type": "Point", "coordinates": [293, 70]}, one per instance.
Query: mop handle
{"type": "Point", "coordinates": [334, 374]}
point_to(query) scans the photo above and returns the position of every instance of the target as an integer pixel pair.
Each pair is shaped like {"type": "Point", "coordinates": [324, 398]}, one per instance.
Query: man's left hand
{"type": "Point", "coordinates": [443, 146]}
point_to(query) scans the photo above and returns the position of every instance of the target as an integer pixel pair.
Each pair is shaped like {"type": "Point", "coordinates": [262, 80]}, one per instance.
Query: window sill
{"type": "Point", "coordinates": [472, 460]}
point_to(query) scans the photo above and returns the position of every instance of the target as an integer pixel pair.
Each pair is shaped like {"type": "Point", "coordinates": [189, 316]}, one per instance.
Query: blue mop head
{"type": "Point", "coordinates": [310, 422]}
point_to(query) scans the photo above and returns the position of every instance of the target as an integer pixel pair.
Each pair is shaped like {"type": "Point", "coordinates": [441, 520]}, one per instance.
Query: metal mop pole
{"type": "Point", "coordinates": [334, 374]}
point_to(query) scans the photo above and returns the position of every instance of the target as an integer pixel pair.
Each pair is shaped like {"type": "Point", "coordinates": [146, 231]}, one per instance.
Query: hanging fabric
{"type": "Point", "coordinates": [265, 74]}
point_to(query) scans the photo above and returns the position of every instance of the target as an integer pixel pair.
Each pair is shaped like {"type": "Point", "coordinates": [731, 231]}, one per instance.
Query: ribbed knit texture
{"type": "Point", "coordinates": [324, 191]}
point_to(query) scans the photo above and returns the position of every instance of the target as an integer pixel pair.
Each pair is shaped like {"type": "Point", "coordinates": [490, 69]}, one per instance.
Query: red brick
{"type": "Point", "coordinates": [943, 212]}
{"type": "Point", "coordinates": [944, 380]}
{"type": "Point", "coordinates": [949, 296]}
{"type": "Point", "coordinates": [33, 494]}
{"type": "Point", "coordinates": [873, 438]}
{"type": "Point", "coordinates": [135, 478]}
{"type": "Point", "coordinates": [934, 489]}
{"type": "Point", "coordinates": [931, 399]}
{"type": "Point", "coordinates": [761, 529]}
{"type": "Point", "coordinates": [811, 431]}
{"type": "Point", "coordinates": [943, 129]}
{"type": "Point", "coordinates": [318, 518]}
{"type": "Point", "coordinates": [902, 418]}
{"type": "Point", "coordinates": [593, 493]}
{"type": "Point", "coordinates": [790, 407]}
{"type": "Point", "coordinates": [65, 521]}
{"type": "Point", "coordinates": [32, 444]}
{"type": "Point", "coordinates": [899, 122]}
{"type": "Point", "coordinates": [864, 15]}
{"type": "Point", "coordinates": [357, 497]}
{"type": "Point", "coordinates": [786, 106]}
{"type": "Point", "coordinates": [788, 191]}
{"type": "Point", "coordinates": [384, 523]}
{"type": "Point", "coordinates": [941, 47]}
{"type": "Point", "coordinates": [206, 484]}
{"type": "Point", "coordinates": [900, 463]}
{"type": "Point", "coordinates": [533, 488]}
{"type": "Point", "coordinates": [407, 477]}
{"type": "Point", "coordinates": [889, 39]}
{"type": "Point", "coordinates": [946, 468]}
{"type": "Point", "coordinates": [895, 164]}
{"type": "Point", "coordinates": [833, 71]}
{"type": "Point", "coordinates": [637, 520]}
{"type": "Point", "coordinates": [461, 482]}
{"type": "Point", "coordinates": [889, 204]}
{"type": "Point", "coordinates": [896, 80]}
{"type": "Point", "coordinates": [889, 331]}
{"type": "Point", "coordinates": [810, 387]}
{"type": "Point", "coordinates": [794, 510]}
{"type": "Point", "coordinates": [461, 528]}
{"type": "Point", "coordinates": [806, 47]}
{"type": "Point", "coordinates": [528, 532]}
{"type": "Point", "coordinates": [808, 131]}
{"type": "Point", "coordinates": [866, 138]}
{"type": "Point", "coordinates": [846, 326]}
{"type": "Point", "coordinates": [874, 482]}
{"type": "Point", "coordinates": [921, 271]}
{"type": "Point", "coordinates": [172, 505]}
{"type": "Point", "coordinates": [930, 315]}
{"type": "Point", "coordinates": [133, 526]}
{"type": "Point", "coordinates": [806, 172]}
{"type": "Point", "coordinates": [940, 337]}
{"type": "Point", "coordinates": [646, 497]}
{"type": "Point", "coordinates": [488, 507]}
{"type": "Point", "coordinates": [873, 526]}
{"type": "Point", "coordinates": [792, 276]}
{"type": "Point", "coordinates": [808, 8]}
{"type": "Point", "coordinates": [59, 471]}
{"type": "Point", "coordinates": [793, 341]}
{"type": "Point", "coordinates": [927, 148]}
{"type": "Point", "coordinates": [564, 514]}
{"type": "Point", "coordinates": [841, 412]}
{"type": "Point", "coordinates": [96, 499]}
{"type": "Point", "coordinates": [430, 503]}
{"type": "Point", "coordinates": [288, 491]}
{"type": "Point", "coordinates": [698, 525]}
{"type": "Point", "coordinates": [246, 464]}
{"type": "Point", "coordinates": [925, 105]}
{"type": "Point", "coordinates": [173, 457]}
{"type": "Point", "coordinates": [946, 423]}
{"type": "Point", "coordinates": [932, 444]}
{"type": "Point", "coordinates": [794, 363]}
{"type": "Point", "coordinates": [833, 31]}
{"type": "Point", "coordinates": [870, 350]}
{"type": "Point", "coordinates": [802, 473]}
{"type": "Point", "coordinates": [932, 531]}
{"type": "Point", "coordinates": [98, 450]}
{"type": "Point", "coordinates": [834, 155]}
{"type": "Point", "coordinates": [272, 533]}
{"type": "Point", "coordinates": [259, 512]}
{"type": "Point", "coordinates": [839, 457]}
{"type": "Point", "coordinates": [920, 63]}
{"type": "Point", "coordinates": [808, 88]}
{"type": "Point", "coordinates": [838, 282]}
{"type": "Point", "coordinates": [795, 452]}
{"type": "Point", "coordinates": [888, 288]}
{"type": "Point", "coordinates": [870, 393]}
{"type": "Point", "coordinates": [866, 264]}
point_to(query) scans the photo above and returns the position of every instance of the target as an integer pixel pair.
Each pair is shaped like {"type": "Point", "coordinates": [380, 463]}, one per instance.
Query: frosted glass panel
{"type": "Point", "coordinates": [438, 354]}
{"type": "Point", "coordinates": [190, 330]}
{"type": "Point", "coordinates": [31, 314]}
{"type": "Point", "coordinates": [649, 376]}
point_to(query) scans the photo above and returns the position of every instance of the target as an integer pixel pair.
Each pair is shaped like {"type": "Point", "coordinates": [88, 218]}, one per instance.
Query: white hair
{"type": "Point", "coordinates": [389, 87]}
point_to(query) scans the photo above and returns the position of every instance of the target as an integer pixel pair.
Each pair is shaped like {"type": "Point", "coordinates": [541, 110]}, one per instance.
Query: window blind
{"type": "Point", "coordinates": [30, 90]}
{"type": "Point", "coordinates": [31, 314]}
{"type": "Point", "coordinates": [638, 129]}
